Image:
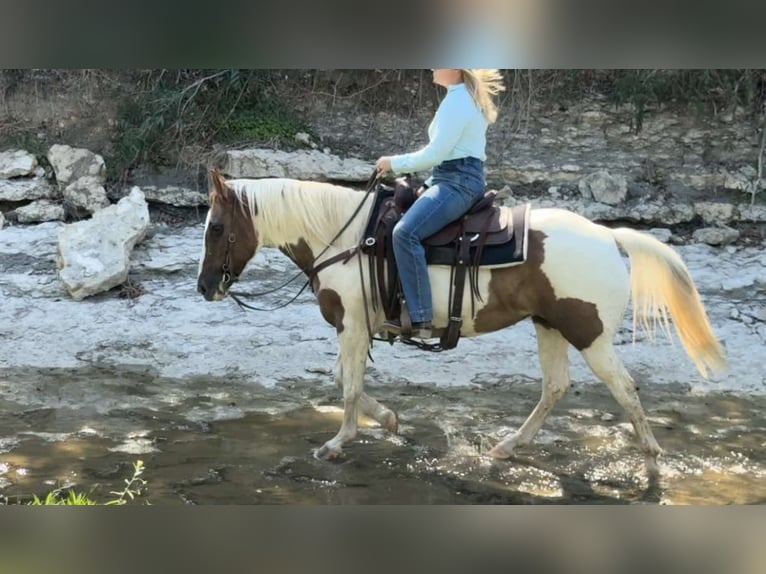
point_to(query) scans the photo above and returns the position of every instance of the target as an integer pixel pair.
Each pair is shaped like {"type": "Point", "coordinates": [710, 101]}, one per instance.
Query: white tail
{"type": "Point", "coordinates": [661, 285]}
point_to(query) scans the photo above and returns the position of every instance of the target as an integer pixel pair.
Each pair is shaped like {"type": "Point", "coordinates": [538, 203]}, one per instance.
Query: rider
{"type": "Point", "coordinates": [456, 152]}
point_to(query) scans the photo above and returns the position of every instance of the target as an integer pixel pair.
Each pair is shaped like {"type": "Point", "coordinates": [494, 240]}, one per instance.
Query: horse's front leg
{"type": "Point", "coordinates": [352, 358]}
{"type": "Point", "coordinates": [368, 406]}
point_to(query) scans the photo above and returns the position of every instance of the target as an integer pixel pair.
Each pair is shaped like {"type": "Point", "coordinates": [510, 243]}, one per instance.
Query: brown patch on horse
{"type": "Point", "coordinates": [329, 301]}
{"type": "Point", "coordinates": [230, 236]}
{"type": "Point", "coordinates": [516, 293]}
{"type": "Point", "coordinates": [332, 308]}
{"type": "Point", "coordinates": [300, 253]}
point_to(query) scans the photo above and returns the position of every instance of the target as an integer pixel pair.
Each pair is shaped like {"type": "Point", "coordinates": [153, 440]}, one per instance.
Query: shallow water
{"type": "Point", "coordinates": [211, 441]}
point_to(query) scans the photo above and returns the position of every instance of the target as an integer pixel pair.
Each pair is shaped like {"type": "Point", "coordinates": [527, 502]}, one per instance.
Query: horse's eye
{"type": "Point", "coordinates": [217, 228]}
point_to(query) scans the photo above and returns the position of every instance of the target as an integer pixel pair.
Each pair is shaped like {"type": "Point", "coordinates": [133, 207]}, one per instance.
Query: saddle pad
{"type": "Point", "coordinates": [512, 252]}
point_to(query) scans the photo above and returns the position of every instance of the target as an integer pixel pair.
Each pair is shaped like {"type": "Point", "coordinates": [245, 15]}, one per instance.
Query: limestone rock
{"type": "Point", "coordinates": [94, 255]}
{"type": "Point", "coordinates": [311, 165]}
{"type": "Point", "coordinates": [662, 233]}
{"type": "Point", "coordinates": [715, 235]}
{"type": "Point", "coordinates": [175, 195]}
{"type": "Point", "coordinates": [39, 211]}
{"type": "Point", "coordinates": [85, 194]}
{"type": "Point", "coordinates": [713, 212]}
{"type": "Point", "coordinates": [70, 164]}
{"type": "Point", "coordinates": [16, 163]}
{"type": "Point", "coordinates": [26, 189]}
{"type": "Point", "coordinates": [604, 187]}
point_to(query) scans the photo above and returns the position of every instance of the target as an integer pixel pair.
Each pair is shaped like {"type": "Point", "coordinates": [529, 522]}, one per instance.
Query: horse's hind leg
{"type": "Point", "coordinates": [384, 416]}
{"type": "Point", "coordinates": [554, 361]}
{"type": "Point", "coordinates": [608, 367]}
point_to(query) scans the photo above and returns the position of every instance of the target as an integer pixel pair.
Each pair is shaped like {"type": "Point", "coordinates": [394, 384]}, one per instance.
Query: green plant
{"type": "Point", "coordinates": [259, 124]}
{"type": "Point", "coordinates": [133, 488]}
{"type": "Point", "coordinates": [172, 111]}
{"type": "Point", "coordinates": [56, 498]}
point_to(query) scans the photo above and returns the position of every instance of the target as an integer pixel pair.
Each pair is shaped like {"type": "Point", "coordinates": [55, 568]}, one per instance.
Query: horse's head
{"type": "Point", "coordinates": [230, 240]}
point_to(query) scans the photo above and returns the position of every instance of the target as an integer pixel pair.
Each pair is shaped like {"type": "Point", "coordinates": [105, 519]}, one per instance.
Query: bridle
{"type": "Point", "coordinates": [229, 278]}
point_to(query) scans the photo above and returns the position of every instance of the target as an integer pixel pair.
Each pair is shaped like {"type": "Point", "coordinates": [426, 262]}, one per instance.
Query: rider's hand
{"type": "Point", "coordinates": [421, 190]}
{"type": "Point", "coordinates": [383, 165]}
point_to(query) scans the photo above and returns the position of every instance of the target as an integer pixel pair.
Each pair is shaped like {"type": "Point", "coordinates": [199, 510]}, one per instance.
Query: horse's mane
{"type": "Point", "coordinates": [289, 209]}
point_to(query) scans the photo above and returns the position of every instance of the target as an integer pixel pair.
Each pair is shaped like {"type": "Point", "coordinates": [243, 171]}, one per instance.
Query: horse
{"type": "Point", "coordinates": [573, 285]}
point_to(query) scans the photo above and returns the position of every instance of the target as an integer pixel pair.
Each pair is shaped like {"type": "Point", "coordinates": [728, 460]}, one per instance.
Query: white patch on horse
{"type": "Point", "coordinates": [582, 262]}
{"type": "Point", "coordinates": [440, 292]}
{"type": "Point", "coordinates": [202, 255]}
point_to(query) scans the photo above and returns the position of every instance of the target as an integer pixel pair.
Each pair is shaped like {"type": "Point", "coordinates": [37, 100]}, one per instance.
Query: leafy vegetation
{"type": "Point", "coordinates": [134, 487]}
{"type": "Point", "coordinates": [174, 110]}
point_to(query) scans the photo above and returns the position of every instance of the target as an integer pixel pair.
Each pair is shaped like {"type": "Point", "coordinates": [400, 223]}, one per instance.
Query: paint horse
{"type": "Point", "coordinates": [573, 285]}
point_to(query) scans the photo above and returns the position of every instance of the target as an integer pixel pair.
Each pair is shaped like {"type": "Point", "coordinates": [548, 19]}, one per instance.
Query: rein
{"type": "Point", "coordinates": [312, 271]}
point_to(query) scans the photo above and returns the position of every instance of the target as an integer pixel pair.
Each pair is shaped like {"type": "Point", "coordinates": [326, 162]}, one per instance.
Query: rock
{"type": "Point", "coordinates": [304, 138]}
{"type": "Point", "coordinates": [175, 195]}
{"type": "Point", "coordinates": [593, 117]}
{"type": "Point", "coordinates": [16, 163]}
{"type": "Point", "coordinates": [94, 255]}
{"type": "Point", "coordinates": [70, 164]}
{"type": "Point", "coordinates": [742, 179]}
{"type": "Point", "coordinates": [736, 283]}
{"type": "Point", "coordinates": [26, 189]}
{"type": "Point", "coordinates": [604, 187]}
{"type": "Point", "coordinates": [85, 194]}
{"type": "Point", "coordinates": [713, 212]}
{"type": "Point", "coordinates": [640, 190]}
{"type": "Point", "coordinates": [662, 233]}
{"type": "Point", "coordinates": [532, 172]}
{"type": "Point", "coordinates": [754, 213]}
{"type": "Point", "coordinates": [39, 211]}
{"type": "Point", "coordinates": [715, 235]}
{"type": "Point", "coordinates": [760, 314]}
{"type": "Point", "coordinates": [645, 212]}
{"type": "Point", "coordinates": [2, 219]}
{"type": "Point", "coordinates": [305, 164]}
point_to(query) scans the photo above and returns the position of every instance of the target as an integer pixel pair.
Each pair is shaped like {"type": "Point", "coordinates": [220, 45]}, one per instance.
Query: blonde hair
{"type": "Point", "coordinates": [483, 85]}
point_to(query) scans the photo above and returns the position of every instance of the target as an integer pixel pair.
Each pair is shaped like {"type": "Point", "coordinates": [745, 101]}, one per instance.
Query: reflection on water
{"type": "Point", "coordinates": [253, 446]}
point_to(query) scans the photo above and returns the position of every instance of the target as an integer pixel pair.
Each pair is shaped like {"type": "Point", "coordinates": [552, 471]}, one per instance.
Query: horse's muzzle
{"type": "Point", "coordinates": [210, 291]}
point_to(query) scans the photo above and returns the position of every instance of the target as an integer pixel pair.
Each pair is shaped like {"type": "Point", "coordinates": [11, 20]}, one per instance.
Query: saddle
{"type": "Point", "coordinates": [485, 235]}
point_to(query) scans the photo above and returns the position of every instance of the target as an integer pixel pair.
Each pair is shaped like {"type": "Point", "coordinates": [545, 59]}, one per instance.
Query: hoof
{"type": "Point", "coordinates": [499, 452]}
{"type": "Point", "coordinates": [652, 470]}
{"type": "Point", "coordinates": [327, 453]}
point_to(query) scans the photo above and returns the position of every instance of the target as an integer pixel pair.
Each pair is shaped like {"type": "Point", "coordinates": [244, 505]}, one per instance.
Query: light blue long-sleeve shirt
{"type": "Point", "coordinates": [457, 130]}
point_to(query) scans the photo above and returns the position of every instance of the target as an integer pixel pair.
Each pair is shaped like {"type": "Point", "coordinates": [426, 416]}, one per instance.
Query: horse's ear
{"type": "Point", "coordinates": [217, 185]}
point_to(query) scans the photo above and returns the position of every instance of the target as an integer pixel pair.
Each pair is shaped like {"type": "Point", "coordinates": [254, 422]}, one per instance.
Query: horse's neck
{"type": "Point", "coordinates": [313, 228]}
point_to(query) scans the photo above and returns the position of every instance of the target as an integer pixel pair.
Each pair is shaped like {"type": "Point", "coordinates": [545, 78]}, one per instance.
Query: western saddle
{"type": "Point", "coordinates": [459, 244]}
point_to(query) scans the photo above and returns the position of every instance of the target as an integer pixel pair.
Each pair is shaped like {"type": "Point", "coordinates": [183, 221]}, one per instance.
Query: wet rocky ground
{"type": "Point", "coordinates": [226, 406]}
{"type": "Point", "coordinates": [227, 441]}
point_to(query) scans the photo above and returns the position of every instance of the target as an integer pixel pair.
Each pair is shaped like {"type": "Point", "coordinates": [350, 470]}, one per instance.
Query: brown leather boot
{"type": "Point", "coordinates": [420, 330]}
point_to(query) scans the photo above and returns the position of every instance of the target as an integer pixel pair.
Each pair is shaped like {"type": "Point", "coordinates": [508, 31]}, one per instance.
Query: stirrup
{"type": "Point", "coordinates": [422, 330]}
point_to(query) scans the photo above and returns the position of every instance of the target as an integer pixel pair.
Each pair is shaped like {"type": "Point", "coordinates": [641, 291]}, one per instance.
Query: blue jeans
{"type": "Point", "coordinates": [457, 184]}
